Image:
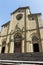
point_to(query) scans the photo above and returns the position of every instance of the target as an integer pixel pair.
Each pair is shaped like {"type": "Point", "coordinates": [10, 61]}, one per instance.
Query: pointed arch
{"type": "Point", "coordinates": [3, 47]}
{"type": "Point", "coordinates": [35, 44]}
{"type": "Point", "coordinates": [35, 39]}
{"type": "Point", "coordinates": [17, 42]}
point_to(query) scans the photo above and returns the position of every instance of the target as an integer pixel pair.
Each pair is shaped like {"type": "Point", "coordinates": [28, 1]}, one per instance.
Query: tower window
{"type": "Point", "coordinates": [31, 17]}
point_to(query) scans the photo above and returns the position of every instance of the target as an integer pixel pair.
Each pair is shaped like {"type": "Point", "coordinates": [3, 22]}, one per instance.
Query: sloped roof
{"type": "Point", "coordinates": [6, 23]}
{"type": "Point", "coordinates": [34, 14]}
{"type": "Point", "coordinates": [19, 9]}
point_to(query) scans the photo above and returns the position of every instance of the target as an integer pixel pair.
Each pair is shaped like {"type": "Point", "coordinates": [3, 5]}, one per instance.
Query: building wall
{"type": "Point", "coordinates": [27, 27]}
{"type": "Point", "coordinates": [4, 33]}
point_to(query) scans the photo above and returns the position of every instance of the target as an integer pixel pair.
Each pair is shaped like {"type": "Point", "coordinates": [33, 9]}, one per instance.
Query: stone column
{"type": "Point", "coordinates": [0, 44]}
{"type": "Point", "coordinates": [6, 48]}
{"type": "Point", "coordinates": [12, 45]}
{"type": "Point", "coordinates": [22, 46]}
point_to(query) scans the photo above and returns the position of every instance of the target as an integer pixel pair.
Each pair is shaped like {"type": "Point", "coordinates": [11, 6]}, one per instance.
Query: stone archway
{"type": "Point", "coordinates": [36, 47]}
{"type": "Point", "coordinates": [35, 44]}
{"type": "Point", "coordinates": [17, 43]}
{"type": "Point", "coordinates": [3, 47]}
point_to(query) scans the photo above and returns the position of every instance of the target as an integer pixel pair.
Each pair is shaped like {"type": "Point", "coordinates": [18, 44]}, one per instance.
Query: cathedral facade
{"type": "Point", "coordinates": [23, 33]}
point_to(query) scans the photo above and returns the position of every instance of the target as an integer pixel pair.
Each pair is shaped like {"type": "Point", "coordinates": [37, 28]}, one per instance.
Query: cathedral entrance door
{"type": "Point", "coordinates": [17, 44]}
{"type": "Point", "coordinates": [36, 47]}
{"type": "Point", "coordinates": [18, 47]}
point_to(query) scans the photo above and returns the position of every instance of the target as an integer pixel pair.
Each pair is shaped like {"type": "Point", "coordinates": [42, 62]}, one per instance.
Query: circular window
{"type": "Point", "coordinates": [19, 16]}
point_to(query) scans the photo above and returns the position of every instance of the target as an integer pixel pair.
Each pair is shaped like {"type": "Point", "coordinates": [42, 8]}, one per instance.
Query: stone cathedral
{"type": "Point", "coordinates": [23, 33]}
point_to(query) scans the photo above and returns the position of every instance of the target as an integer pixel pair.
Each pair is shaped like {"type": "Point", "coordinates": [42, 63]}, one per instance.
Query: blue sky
{"type": "Point", "coordinates": [8, 6]}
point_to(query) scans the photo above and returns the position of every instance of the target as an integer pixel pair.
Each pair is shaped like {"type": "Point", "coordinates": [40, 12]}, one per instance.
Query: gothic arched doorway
{"type": "Point", "coordinates": [3, 47]}
{"type": "Point", "coordinates": [35, 44]}
{"type": "Point", "coordinates": [36, 47]}
{"type": "Point", "coordinates": [17, 43]}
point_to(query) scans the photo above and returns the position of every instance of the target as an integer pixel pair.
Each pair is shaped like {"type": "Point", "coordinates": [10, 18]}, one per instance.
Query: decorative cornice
{"type": "Point", "coordinates": [35, 14]}
{"type": "Point", "coordinates": [21, 31]}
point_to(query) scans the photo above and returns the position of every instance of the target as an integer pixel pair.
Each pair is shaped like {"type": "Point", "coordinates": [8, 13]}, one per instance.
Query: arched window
{"type": "Point", "coordinates": [17, 43]}
{"type": "Point", "coordinates": [3, 46]}
{"type": "Point", "coordinates": [35, 44]}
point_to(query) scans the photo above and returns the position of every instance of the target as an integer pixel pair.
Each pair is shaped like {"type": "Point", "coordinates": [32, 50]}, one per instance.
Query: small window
{"type": "Point", "coordinates": [19, 16]}
{"type": "Point", "coordinates": [30, 17]}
